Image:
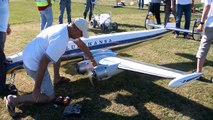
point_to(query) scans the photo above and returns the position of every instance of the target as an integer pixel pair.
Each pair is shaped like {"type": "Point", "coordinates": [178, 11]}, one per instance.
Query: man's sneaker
{"type": "Point", "coordinates": [58, 101]}
{"type": "Point", "coordinates": [10, 89]}
{"type": "Point", "coordinates": [62, 101]}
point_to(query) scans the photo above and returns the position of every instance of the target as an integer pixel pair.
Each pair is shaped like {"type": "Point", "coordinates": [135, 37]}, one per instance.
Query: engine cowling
{"type": "Point", "coordinates": [104, 72]}
{"type": "Point", "coordinates": [84, 66]}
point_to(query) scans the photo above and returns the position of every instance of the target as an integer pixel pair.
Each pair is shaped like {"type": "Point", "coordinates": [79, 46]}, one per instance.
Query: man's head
{"type": "Point", "coordinates": [80, 27]}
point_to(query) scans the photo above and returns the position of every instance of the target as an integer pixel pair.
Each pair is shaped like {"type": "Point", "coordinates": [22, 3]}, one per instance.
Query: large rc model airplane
{"type": "Point", "coordinates": [109, 63]}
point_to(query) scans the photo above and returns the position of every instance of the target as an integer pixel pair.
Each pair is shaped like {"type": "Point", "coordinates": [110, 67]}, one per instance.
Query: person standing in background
{"type": "Point", "coordinates": [183, 6]}
{"type": "Point", "coordinates": [64, 4]}
{"type": "Point", "coordinates": [46, 13]}
{"type": "Point", "coordinates": [4, 30]}
{"type": "Point", "coordinates": [140, 4]}
{"type": "Point", "coordinates": [168, 10]}
{"type": "Point", "coordinates": [90, 4]}
{"type": "Point", "coordinates": [154, 7]}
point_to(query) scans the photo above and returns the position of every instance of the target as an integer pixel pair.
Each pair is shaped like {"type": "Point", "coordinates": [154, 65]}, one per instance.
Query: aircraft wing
{"type": "Point", "coordinates": [141, 67]}
{"type": "Point", "coordinates": [156, 25]}
{"type": "Point", "coordinates": [180, 77]}
{"type": "Point", "coordinates": [181, 30]}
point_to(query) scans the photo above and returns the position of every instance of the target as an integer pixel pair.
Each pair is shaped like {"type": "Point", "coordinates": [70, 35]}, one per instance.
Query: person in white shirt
{"type": "Point", "coordinates": [207, 18]}
{"type": "Point", "coordinates": [183, 6]}
{"type": "Point", "coordinates": [4, 30]}
{"type": "Point", "coordinates": [48, 47]}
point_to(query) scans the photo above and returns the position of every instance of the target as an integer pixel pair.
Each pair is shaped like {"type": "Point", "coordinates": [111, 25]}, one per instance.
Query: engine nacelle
{"type": "Point", "coordinates": [84, 66]}
{"type": "Point", "coordinates": [104, 72]}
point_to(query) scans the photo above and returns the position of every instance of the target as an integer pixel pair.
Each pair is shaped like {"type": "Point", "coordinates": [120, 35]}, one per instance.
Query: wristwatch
{"type": "Point", "coordinates": [201, 23]}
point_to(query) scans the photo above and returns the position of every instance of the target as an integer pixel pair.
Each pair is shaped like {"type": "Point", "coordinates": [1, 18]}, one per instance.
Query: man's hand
{"type": "Point", "coordinates": [200, 28]}
{"type": "Point", "coordinates": [8, 30]}
{"type": "Point", "coordinates": [94, 62]}
{"type": "Point", "coordinates": [193, 9]}
{"type": "Point", "coordinates": [86, 50]}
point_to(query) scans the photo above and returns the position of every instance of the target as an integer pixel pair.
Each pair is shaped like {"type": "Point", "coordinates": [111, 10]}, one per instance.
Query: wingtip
{"type": "Point", "coordinates": [179, 81]}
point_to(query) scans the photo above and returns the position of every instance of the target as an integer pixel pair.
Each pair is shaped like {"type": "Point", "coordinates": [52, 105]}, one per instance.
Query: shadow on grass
{"type": "Point", "coordinates": [142, 91]}
{"type": "Point", "coordinates": [193, 58]}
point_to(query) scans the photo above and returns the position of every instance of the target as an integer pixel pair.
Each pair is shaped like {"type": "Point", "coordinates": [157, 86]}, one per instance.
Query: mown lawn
{"type": "Point", "coordinates": [128, 95]}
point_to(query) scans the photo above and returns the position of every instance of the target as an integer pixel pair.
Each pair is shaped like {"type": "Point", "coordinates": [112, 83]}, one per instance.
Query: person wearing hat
{"type": "Point", "coordinates": [48, 46]}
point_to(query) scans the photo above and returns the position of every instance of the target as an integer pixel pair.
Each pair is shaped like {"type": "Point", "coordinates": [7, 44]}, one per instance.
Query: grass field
{"type": "Point", "coordinates": [125, 96]}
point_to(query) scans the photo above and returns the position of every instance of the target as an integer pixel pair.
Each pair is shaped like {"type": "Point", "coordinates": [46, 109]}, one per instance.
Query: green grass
{"type": "Point", "coordinates": [127, 95]}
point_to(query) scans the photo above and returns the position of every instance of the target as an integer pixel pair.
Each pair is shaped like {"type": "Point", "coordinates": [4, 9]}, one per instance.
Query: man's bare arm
{"type": "Point", "coordinates": [40, 75]}
{"type": "Point", "coordinates": [86, 50]}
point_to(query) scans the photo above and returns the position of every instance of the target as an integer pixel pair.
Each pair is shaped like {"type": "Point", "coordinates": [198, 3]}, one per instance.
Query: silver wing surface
{"type": "Point", "coordinates": [179, 77]}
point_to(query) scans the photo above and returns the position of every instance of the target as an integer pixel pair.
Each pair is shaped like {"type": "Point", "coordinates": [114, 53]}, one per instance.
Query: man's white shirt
{"type": "Point", "coordinates": [4, 14]}
{"type": "Point", "coordinates": [183, 2]}
{"type": "Point", "coordinates": [209, 21]}
{"type": "Point", "coordinates": [51, 42]}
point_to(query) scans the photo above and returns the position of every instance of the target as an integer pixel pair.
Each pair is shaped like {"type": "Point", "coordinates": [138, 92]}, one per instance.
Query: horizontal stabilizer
{"type": "Point", "coordinates": [179, 81]}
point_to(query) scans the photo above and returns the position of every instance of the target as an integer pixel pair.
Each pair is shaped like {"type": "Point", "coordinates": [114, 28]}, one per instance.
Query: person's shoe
{"type": "Point", "coordinates": [12, 89]}
{"type": "Point", "coordinates": [9, 89]}
{"type": "Point", "coordinates": [187, 37]}
{"type": "Point", "coordinates": [58, 101]}
{"type": "Point", "coordinates": [175, 36]}
{"type": "Point", "coordinates": [10, 106]}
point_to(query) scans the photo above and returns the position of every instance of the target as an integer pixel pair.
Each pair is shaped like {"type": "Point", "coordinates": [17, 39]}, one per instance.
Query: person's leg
{"type": "Point", "coordinates": [91, 7]}
{"type": "Point", "coordinates": [200, 63]}
{"type": "Point", "coordinates": [157, 12]}
{"type": "Point", "coordinates": [187, 11]}
{"type": "Point", "coordinates": [174, 12]}
{"type": "Point", "coordinates": [61, 12]}
{"type": "Point", "coordinates": [139, 4]}
{"type": "Point", "coordinates": [68, 8]}
{"type": "Point", "coordinates": [142, 3]}
{"type": "Point", "coordinates": [167, 10]}
{"type": "Point", "coordinates": [86, 9]}
{"type": "Point", "coordinates": [150, 7]}
{"type": "Point", "coordinates": [42, 20]}
{"type": "Point", "coordinates": [179, 12]}
{"type": "Point", "coordinates": [204, 48]}
{"type": "Point", "coordinates": [49, 17]}
{"type": "Point", "coordinates": [2, 63]}
{"type": "Point", "coordinates": [47, 92]}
